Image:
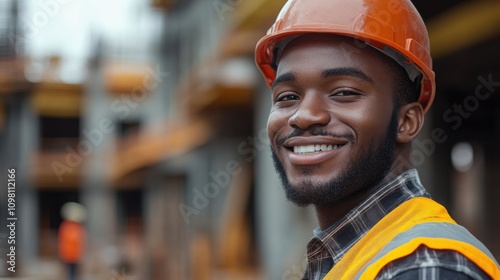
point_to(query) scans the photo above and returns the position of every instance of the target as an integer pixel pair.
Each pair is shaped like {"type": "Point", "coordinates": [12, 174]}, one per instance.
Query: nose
{"type": "Point", "coordinates": [310, 113]}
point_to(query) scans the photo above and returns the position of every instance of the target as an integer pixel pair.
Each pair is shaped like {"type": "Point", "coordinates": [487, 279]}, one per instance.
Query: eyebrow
{"type": "Point", "coordinates": [328, 73]}
{"type": "Point", "coordinates": [346, 71]}
{"type": "Point", "coordinates": [285, 77]}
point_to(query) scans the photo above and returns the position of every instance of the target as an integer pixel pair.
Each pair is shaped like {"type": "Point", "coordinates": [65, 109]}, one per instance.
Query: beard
{"type": "Point", "coordinates": [360, 173]}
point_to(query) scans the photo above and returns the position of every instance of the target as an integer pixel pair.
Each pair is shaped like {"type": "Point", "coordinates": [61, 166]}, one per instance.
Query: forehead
{"type": "Point", "coordinates": [326, 50]}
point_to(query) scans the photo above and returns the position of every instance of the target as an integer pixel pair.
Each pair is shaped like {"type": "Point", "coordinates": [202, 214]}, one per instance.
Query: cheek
{"type": "Point", "coordinates": [369, 123]}
{"type": "Point", "coordinates": [374, 129]}
{"type": "Point", "coordinates": [274, 123]}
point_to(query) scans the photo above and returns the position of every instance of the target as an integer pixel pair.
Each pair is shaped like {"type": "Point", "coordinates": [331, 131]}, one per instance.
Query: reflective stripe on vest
{"type": "Point", "coordinates": [370, 254]}
{"type": "Point", "coordinates": [435, 236]}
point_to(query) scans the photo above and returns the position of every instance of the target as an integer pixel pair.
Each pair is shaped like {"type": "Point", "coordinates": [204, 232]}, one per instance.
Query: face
{"type": "Point", "coordinates": [332, 125]}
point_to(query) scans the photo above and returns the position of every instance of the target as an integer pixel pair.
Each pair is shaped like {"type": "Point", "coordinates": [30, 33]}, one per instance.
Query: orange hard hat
{"type": "Point", "coordinates": [394, 27]}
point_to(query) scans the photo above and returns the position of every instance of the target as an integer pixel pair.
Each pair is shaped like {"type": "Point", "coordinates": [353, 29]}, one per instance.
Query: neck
{"type": "Point", "coordinates": [330, 214]}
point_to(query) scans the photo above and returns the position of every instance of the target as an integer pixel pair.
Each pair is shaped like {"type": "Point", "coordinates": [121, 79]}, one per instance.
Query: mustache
{"type": "Point", "coordinates": [318, 131]}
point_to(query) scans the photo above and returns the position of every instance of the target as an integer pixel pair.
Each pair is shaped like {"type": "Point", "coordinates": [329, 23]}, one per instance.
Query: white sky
{"type": "Point", "coordinates": [68, 27]}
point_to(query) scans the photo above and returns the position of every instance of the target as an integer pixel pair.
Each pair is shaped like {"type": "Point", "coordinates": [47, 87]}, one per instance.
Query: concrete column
{"type": "Point", "coordinates": [165, 228]}
{"type": "Point", "coordinates": [154, 221]}
{"type": "Point", "coordinates": [27, 202]}
{"type": "Point", "coordinates": [97, 196]}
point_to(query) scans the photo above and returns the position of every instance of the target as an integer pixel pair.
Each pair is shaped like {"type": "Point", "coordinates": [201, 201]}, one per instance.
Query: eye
{"type": "Point", "coordinates": [345, 95]}
{"type": "Point", "coordinates": [287, 96]}
{"type": "Point", "coordinates": [345, 92]}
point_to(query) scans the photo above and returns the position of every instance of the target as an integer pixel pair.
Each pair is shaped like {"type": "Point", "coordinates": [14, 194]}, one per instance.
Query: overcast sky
{"type": "Point", "coordinates": [67, 28]}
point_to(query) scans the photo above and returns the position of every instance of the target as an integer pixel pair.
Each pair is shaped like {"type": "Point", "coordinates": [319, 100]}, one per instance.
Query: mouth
{"type": "Point", "coordinates": [311, 150]}
{"type": "Point", "coordinates": [317, 148]}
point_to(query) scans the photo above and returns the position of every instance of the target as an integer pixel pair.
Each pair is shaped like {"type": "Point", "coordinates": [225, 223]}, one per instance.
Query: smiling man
{"type": "Point", "coordinates": [351, 81]}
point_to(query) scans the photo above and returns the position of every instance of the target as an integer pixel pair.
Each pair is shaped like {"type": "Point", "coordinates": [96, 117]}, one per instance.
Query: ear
{"type": "Point", "coordinates": [410, 121]}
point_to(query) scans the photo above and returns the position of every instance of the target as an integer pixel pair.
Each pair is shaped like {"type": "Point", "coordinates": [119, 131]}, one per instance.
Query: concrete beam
{"type": "Point", "coordinates": [466, 25]}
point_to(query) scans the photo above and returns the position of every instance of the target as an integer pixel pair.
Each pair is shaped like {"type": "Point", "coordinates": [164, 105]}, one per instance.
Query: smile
{"type": "Point", "coordinates": [315, 148]}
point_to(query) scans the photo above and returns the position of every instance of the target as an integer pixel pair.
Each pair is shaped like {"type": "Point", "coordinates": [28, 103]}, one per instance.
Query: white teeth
{"type": "Point", "coordinates": [309, 149]}
{"type": "Point", "coordinates": [314, 148]}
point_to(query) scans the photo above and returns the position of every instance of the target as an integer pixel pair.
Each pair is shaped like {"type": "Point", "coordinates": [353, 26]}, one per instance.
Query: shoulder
{"type": "Point", "coordinates": [426, 263]}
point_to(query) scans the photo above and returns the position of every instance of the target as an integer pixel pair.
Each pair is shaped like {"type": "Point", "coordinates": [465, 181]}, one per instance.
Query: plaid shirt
{"type": "Point", "coordinates": [327, 247]}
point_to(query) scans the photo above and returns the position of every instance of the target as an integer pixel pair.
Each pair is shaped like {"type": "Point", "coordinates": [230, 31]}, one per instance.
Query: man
{"type": "Point", "coordinates": [351, 81]}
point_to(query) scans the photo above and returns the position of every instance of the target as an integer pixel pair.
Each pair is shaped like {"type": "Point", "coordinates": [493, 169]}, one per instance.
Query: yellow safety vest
{"type": "Point", "coordinates": [418, 221]}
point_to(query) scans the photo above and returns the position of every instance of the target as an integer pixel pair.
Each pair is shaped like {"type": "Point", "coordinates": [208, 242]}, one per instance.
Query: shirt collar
{"type": "Point", "coordinates": [335, 241]}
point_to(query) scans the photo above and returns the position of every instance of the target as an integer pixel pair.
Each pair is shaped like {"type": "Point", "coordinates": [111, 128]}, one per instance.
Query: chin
{"type": "Point", "coordinates": [314, 191]}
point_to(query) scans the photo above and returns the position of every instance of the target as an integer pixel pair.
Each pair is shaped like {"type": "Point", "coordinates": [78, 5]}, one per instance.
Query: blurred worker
{"type": "Point", "coordinates": [351, 81]}
{"type": "Point", "coordinates": [71, 236]}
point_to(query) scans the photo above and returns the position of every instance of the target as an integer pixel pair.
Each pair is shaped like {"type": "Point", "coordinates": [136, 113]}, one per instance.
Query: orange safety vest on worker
{"type": "Point", "coordinates": [71, 241]}
{"type": "Point", "coordinates": [418, 221]}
